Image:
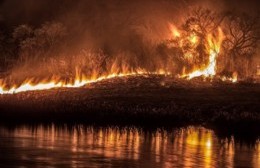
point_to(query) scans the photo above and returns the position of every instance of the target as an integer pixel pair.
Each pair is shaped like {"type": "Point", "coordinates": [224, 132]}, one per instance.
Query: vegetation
{"type": "Point", "coordinates": [238, 50]}
{"type": "Point", "coordinates": [51, 47]}
{"type": "Point", "coordinates": [149, 100]}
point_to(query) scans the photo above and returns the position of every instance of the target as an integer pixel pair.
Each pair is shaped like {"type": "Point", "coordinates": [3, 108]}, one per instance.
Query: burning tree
{"type": "Point", "coordinates": [196, 45]}
{"type": "Point", "coordinates": [198, 25]}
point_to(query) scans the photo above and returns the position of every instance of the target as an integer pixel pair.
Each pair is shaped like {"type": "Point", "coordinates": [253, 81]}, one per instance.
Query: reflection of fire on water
{"type": "Point", "coordinates": [186, 147]}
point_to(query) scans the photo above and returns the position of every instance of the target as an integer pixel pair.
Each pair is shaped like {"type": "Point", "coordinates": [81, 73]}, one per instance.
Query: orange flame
{"type": "Point", "coordinates": [213, 48]}
{"type": "Point", "coordinates": [175, 32]}
{"type": "Point", "coordinates": [193, 39]}
{"type": "Point", "coordinates": [80, 81]}
{"type": "Point", "coordinates": [232, 79]}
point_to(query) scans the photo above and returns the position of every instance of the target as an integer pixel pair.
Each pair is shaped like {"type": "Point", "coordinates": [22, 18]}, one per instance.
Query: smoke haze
{"type": "Point", "coordinates": [104, 22]}
{"type": "Point", "coordinates": [114, 26]}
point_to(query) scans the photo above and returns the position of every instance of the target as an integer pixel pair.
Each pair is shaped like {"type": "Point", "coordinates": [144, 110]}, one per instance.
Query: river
{"type": "Point", "coordinates": [88, 146]}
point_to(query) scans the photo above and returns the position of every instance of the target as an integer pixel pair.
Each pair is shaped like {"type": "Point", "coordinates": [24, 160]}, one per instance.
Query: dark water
{"type": "Point", "coordinates": [79, 146]}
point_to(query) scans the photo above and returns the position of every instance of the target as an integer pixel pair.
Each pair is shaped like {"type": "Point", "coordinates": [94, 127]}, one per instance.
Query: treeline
{"type": "Point", "coordinates": [27, 43]}
{"type": "Point", "coordinates": [49, 47]}
{"type": "Point", "coordinates": [45, 50]}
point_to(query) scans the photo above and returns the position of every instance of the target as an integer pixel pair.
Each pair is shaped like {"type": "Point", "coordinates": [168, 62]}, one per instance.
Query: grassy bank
{"type": "Point", "coordinates": [147, 101]}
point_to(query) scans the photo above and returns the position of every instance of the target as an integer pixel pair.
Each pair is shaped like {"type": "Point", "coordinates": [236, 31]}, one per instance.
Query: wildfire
{"type": "Point", "coordinates": [79, 81]}
{"type": "Point", "coordinates": [213, 48]}
{"type": "Point", "coordinates": [233, 79]}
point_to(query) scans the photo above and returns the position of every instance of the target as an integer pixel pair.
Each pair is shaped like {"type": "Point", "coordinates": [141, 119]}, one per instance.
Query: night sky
{"type": "Point", "coordinates": [15, 12]}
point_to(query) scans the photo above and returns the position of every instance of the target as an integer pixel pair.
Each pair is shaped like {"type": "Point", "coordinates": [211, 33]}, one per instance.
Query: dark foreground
{"type": "Point", "coordinates": [145, 101]}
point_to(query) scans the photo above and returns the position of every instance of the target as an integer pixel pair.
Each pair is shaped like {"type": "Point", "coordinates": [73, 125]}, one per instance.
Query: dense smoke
{"type": "Point", "coordinates": [54, 37]}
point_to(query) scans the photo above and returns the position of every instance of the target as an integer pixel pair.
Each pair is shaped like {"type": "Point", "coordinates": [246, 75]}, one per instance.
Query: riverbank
{"type": "Point", "coordinates": [146, 101]}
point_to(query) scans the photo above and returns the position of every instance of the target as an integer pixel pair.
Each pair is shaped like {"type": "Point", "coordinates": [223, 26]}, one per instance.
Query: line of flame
{"type": "Point", "coordinates": [28, 86]}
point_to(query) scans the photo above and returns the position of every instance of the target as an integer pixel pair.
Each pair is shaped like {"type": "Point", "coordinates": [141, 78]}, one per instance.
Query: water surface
{"type": "Point", "coordinates": [80, 146]}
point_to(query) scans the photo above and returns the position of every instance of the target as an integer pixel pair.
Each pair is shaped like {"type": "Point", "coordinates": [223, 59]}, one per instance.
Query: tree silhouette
{"type": "Point", "coordinates": [242, 37]}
